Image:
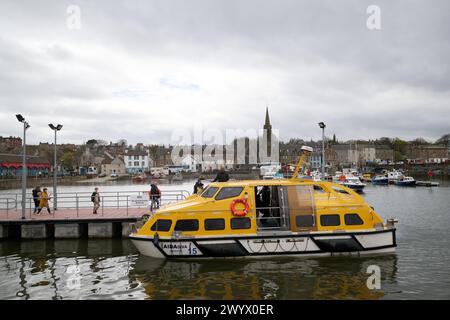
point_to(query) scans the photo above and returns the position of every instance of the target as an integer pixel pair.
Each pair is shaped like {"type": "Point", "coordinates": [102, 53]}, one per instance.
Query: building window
{"type": "Point", "coordinates": [161, 225]}
{"type": "Point", "coordinates": [186, 225]}
{"type": "Point", "coordinates": [129, 163]}
{"type": "Point", "coordinates": [240, 223]}
{"type": "Point", "coordinates": [214, 224]}
{"type": "Point", "coordinates": [226, 193]}
{"type": "Point", "coordinates": [328, 220]}
{"type": "Point", "coordinates": [143, 163]}
{"type": "Point", "coordinates": [136, 163]}
{"type": "Point", "coordinates": [353, 219]}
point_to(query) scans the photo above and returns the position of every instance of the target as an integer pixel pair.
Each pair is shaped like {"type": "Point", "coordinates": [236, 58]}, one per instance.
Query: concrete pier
{"type": "Point", "coordinates": [67, 231]}
{"type": "Point", "coordinates": [75, 228]}
{"type": "Point", "coordinates": [33, 231]}
{"type": "Point", "coordinates": [3, 232]}
{"type": "Point", "coordinates": [100, 230]}
{"type": "Point", "coordinates": [127, 228]}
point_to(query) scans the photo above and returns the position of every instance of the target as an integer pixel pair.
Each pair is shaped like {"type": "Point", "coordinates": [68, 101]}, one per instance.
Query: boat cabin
{"type": "Point", "coordinates": [264, 207]}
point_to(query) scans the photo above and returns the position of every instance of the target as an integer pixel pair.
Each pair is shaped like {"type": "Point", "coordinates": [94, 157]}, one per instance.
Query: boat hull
{"type": "Point", "coordinates": [356, 187]}
{"type": "Point", "coordinates": [310, 244]}
{"type": "Point", "coordinates": [405, 183]}
{"type": "Point", "coordinates": [380, 182]}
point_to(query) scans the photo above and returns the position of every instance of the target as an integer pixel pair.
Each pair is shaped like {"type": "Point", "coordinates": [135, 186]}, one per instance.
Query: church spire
{"type": "Point", "coordinates": [267, 117]}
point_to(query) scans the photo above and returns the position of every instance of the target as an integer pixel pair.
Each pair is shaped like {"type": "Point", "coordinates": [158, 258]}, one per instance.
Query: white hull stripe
{"type": "Point", "coordinates": [300, 245]}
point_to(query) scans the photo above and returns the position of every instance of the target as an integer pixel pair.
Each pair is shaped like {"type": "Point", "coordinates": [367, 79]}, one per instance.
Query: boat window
{"type": "Point", "coordinates": [304, 221]}
{"type": "Point", "coordinates": [226, 193]}
{"type": "Point", "coordinates": [330, 220]}
{"type": "Point", "coordinates": [240, 223]}
{"type": "Point", "coordinates": [162, 225]}
{"type": "Point", "coordinates": [214, 224]}
{"type": "Point", "coordinates": [353, 219]}
{"type": "Point", "coordinates": [340, 190]}
{"type": "Point", "coordinates": [186, 225]}
{"type": "Point", "coordinates": [318, 189]}
{"type": "Point", "coordinates": [209, 192]}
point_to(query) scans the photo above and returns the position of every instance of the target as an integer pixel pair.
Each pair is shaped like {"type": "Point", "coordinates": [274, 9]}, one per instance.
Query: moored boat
{"type": "Point", "coordinates": [380, 180]}
{"type": "Point", "coordinates": [353, 183]}
{"type": "Point", "coordinates": [259, 218]}
{"type": "Point", "coordinates": [394, 175]}
{"type": "Point", "coordinates": [405, 182]}
{"type": "Point", "coordinates": [366, 177]}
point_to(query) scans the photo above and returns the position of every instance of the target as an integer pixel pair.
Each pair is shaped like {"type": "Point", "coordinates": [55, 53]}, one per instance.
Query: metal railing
{"type": "Point", "coordinates": [82, 200]}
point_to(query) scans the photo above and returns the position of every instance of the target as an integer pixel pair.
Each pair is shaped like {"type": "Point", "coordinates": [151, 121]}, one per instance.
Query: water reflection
{"type": "Point", "coordinates": [112, 269]}
{"type": "Point", "coordinates": [281, 278]}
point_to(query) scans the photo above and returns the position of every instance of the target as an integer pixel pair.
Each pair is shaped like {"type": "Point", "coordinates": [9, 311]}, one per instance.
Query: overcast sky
{"type": "Point", "coordinates": [138, 69]}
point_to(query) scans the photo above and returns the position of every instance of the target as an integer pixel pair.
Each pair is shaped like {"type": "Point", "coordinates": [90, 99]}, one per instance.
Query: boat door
{"type": "Point", "coordinates": [301, 207]}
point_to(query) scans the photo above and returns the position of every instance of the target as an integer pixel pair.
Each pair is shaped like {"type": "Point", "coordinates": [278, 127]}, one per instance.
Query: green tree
{"type": "Point", "coordinates": [67, 159]}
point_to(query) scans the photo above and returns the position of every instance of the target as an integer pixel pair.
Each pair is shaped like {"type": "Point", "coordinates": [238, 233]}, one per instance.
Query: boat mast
{"type": "Point", "coordinates": [306, 151]}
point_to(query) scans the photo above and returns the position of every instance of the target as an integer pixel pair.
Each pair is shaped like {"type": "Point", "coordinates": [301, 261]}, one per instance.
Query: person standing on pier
{"type": "Point", "coordinates": [95, 198]}
{"type": "Point", "coordinates": [43, 203]}
{"type": "Point", "coordinates": [155, 197]}
{"type": "Point", "coordinates": [36, 194]}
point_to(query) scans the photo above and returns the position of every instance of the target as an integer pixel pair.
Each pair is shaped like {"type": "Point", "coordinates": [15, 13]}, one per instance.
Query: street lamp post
{"type": "Point", "coordinates": [322, 126]}
{"type": "Point", "coordinates": [55, 166]}
{"type": "Point", "coordinates": [24, 163]}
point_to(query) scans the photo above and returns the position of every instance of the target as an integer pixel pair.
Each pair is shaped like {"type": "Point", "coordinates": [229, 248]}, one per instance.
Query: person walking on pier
{"type": "Point", "coordinates": [36, 194]}
{"type": "Point", "coordinates": [95, 198]}
{"type": "Point", "coordinates": [43, 203]}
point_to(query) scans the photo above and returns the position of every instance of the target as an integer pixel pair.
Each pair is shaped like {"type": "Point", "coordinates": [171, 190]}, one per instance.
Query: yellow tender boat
{"type": "Point", "coordinates": [256, 218]}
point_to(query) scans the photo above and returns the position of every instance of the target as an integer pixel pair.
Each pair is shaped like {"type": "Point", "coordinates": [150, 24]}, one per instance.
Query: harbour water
{"type": "Point", "coordinates": [113, 269]}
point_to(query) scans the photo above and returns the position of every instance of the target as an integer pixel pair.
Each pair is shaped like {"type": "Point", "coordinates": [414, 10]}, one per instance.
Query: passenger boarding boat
{"type": "Point", "coordinates": [259, 218]}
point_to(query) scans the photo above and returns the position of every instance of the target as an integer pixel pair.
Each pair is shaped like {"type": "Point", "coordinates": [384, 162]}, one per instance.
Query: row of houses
{"type": "Point", "coordinates": [348, 155]}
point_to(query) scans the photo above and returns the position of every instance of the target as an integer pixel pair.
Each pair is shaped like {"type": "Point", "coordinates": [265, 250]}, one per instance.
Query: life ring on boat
{"type": "Point", "coordinates": [342, 178]}
{"type": "Point", "coordinates": [240, 213]}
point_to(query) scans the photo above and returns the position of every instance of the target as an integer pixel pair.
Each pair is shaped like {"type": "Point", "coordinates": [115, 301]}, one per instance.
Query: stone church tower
{"type": "Point", "coordinates": [268, 133]}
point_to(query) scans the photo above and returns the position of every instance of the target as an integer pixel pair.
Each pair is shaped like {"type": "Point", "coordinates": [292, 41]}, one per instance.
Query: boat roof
{"type": "Point", "coordinates": [271, 182]}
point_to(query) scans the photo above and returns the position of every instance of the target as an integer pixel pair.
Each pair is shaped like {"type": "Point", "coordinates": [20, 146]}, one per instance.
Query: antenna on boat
{"type": "Point", "coordinates": [305, 152]}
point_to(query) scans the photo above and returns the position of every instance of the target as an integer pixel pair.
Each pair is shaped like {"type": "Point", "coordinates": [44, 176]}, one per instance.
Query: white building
{"type": "Point", "coordinates": [190, 164]}
{"type": "Point", "coordinates": [137, 161]}
{"type": "Point", "coordinates": [211, 165]}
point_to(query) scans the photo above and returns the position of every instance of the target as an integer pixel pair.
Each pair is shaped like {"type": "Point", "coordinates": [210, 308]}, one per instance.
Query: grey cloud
{"type": "Point", "coordinates": [317, 58]}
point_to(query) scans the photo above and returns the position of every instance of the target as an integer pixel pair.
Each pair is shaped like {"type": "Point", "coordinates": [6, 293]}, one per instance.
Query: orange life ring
{"type": "Point", "coordinates": [241, 213]}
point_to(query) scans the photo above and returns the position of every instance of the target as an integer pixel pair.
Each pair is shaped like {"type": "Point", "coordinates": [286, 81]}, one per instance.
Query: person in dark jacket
{"type": "Point", "coordinates": [198, 186]}
{"type": "Point", "coordinates": [155, 197]}
{"type": "Point", "coordinates": [264, 198]}
{"type": "Point", "coordinates": [222, 176]}
{"type": "Point", "coordinates": [36, 194]}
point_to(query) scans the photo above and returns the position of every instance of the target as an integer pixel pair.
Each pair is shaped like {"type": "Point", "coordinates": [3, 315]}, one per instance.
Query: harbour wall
{"type": "Point", "coordinates": [70, 229]}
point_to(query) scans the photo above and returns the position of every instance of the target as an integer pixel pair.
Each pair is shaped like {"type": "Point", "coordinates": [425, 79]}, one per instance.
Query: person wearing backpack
{"type": "Point", "coordinates": [155, 197]}
{"type": "Point", "coordinates": [95, 198]}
